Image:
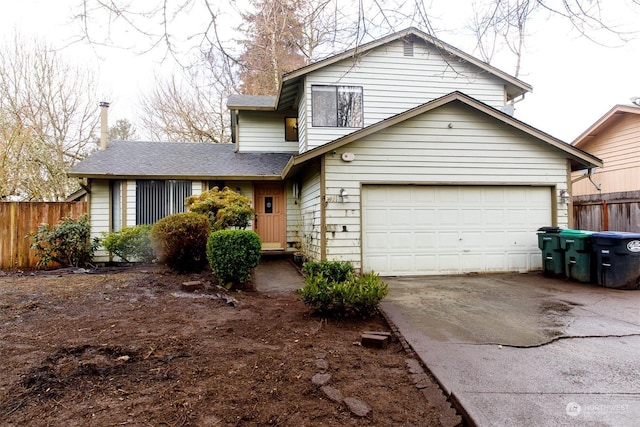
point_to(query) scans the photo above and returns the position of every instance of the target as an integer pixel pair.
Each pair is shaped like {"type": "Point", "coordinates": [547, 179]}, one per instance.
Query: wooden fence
{"type": "Point", "coordinates": [607, 212]}
{"type": "Point", "coordinates": [18, 219]}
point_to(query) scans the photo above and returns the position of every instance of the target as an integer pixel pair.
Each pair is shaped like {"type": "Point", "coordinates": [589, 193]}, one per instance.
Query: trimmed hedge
{"type": "Point", "coordinates": [233, 254]}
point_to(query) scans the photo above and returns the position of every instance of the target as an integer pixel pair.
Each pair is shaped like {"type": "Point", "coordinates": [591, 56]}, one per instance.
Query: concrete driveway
{"type": "Point", "coordinates": [523, 349]}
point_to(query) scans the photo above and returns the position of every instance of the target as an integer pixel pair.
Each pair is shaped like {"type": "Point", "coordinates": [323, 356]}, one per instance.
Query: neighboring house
{"type": "Point", "coordinates": [609, 197]}
{"type": "Point", "coordinates": [394, 156]}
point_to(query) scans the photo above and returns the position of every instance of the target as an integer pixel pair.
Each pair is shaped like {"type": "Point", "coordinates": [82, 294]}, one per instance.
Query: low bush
{"type": "Point", "coordinates": [180, 241]}
{"type": "Point", "coordinates": [333, 271]}
{"type": "Point", "coordinates": [233, 254]}
{"type": "Point", "coordinates": [353, 296]}
{"type": "Point", "coordinates": [130, 244]}
{"type": "Point", "coordinates": [68, 243]}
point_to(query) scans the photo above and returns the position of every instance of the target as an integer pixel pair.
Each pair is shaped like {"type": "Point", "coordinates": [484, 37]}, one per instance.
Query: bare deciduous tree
{"type": "Point", "coordinates": [184, 109]}
{"type": "Point", "coordinates": [48, 118]}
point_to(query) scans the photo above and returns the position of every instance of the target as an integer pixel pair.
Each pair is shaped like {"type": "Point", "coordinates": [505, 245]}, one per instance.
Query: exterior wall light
{"type": "Point", "coordinates": [564, 197]}
{"type": "Point", "coordinates": [344, 195]}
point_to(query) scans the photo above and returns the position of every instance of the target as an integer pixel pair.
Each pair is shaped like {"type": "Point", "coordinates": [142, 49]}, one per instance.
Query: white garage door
{"type": "Point", "coordinates": [413, 230]}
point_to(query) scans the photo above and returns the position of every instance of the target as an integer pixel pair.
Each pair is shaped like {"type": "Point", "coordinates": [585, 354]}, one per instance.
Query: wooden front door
{"type": "Point", "coordinates": [270, 219]}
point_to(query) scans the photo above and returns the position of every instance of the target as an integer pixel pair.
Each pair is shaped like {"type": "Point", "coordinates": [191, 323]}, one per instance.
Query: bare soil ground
{"type": "Point", "coordinates": [130, 347]}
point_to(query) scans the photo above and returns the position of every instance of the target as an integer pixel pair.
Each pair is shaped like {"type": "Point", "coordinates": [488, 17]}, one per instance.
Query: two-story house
{"type": "Point", "coordinates": [396, 156]}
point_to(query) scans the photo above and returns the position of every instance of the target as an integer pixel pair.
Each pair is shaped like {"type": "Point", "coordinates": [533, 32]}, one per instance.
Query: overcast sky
{"type": "Point", "coordinates": [574, 81]}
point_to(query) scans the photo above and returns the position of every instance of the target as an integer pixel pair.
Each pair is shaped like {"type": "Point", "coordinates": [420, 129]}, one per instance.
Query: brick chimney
{"type": "Point", "coordinates": [104, 126]}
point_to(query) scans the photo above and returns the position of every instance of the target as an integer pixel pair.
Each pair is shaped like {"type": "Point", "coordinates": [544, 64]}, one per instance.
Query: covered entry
{"type": "Point", "coordinates": [413, 230]}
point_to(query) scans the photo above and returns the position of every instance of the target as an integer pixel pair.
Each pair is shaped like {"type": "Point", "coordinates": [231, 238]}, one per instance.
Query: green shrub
{"type": "Point", "coordinates": [233, 254]}
{"type": "Point", "coordinates": [68, 243]}
{"type": "Point", "coordinates": [180, 241]}
{"type": "Point", "coordinates": [130, 243]}
{"type": "Point", "coordinates": [224, 208]}
{"type": "Point", "coordinates": [355, 296]}
{"type": "Point", "coordinates": [333, 271]}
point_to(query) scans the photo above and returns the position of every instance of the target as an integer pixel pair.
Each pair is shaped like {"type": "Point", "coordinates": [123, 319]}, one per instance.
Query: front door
{"type": "Point", "coordinates": [270, 218]}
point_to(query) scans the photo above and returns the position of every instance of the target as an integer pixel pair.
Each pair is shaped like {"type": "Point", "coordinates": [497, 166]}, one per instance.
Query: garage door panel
{"type": "Point", "coordinates": [424, 217]}
{"type": "Point", "coordinates": [376, 217]}
{"type": "Point", "coordinates": [449, 229]}
{"type": "Point", "coordinates": [447, 217]}
{"type": "Point", "coordinates": [376, 241]}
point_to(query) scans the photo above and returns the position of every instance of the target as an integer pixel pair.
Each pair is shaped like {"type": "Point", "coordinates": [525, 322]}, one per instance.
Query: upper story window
{"type": "Point", "coordinates": [291, 129]}
{"type": "Point", "coordinates": [336, 106]}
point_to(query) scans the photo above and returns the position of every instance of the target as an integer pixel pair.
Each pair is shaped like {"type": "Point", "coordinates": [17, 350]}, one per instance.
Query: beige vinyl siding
{"type": "Point", "coordinates": [99, 215]}
{"type": "Point", "coordinates": [393, 83]}
{"type": "Point", "coordinates": [263, 132]}
{"type": "Point", "coordinates": [425, 150]}
{"type": "Point", "coordinates": [310, 214]}
{"type": "Point", "coordinates": [619, 148]}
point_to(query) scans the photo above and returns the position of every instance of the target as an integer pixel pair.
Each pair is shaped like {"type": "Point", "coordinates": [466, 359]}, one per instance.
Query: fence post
{"type": "Point", "coordinates": [605, 216]}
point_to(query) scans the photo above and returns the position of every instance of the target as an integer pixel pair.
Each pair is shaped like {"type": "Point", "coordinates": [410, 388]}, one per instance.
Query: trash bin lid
{"type": "Point", "coordinates": [576, 233]}
{"type": "Point", "coordinates": [550, 229]}
{"type": "Point", "coordinates": [617, 234]}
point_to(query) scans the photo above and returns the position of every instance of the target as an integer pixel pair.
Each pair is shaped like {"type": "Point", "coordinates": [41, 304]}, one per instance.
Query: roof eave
{"type": "Point", "coordinates": [603, 122]}
{"type": "Point", "coordinates": [178, 177]}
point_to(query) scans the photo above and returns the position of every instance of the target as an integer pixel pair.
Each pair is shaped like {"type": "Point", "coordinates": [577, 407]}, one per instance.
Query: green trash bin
{"type": "Point", "coordinates": [576, 245]}
{"type": "Point", "coordinates": [552, 253]}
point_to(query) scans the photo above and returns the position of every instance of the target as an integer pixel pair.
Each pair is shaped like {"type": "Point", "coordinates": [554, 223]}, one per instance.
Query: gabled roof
{"type": "Point", "coordinates": [179, 160]}
{"type": "Point", "coordinates": [290, 82]}
{"type": "Point", "coordinates": [611, 117]}
{"type": "Point", "coordinates": [579, 159]}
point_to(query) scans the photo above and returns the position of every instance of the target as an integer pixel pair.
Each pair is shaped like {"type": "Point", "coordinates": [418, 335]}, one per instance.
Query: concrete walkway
{"type": "Point", "coordinates": [522, 349]}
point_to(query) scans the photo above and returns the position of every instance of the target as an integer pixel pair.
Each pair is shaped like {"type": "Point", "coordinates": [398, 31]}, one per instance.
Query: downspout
{"type": "Point", "coordinates": [104, 126]}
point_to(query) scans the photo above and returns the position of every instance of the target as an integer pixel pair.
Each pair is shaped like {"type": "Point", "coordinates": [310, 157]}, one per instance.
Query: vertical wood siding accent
{"type": "Point", "coordinates": [99, 214]}
{"type": "Point", "coordinates": [260, 132]}
{"type": "Point", "coordinates": [294, 218]}
{"type": "Point", "coordinates": [619, 148]}
{"type": "Point", "coordinates": [302, 123]}
{"type": "Point", "coordinates": [425, 150]}
{"type": "Point", "coordinates": [310, 205]}
{"type": "Point", "coordinates": [393, 83]}
{"type": "Point", "coordinates": [18, 219]}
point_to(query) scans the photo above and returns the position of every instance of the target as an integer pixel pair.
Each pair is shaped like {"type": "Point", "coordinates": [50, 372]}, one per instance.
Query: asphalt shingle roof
{"type": "Point", "coordinates": [178, 160]}
{"type": "Point", "coordinates": [251, 101]}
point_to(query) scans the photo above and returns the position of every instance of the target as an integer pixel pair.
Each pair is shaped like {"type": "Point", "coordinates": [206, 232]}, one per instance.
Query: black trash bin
{"type": "Point", "coordinates": [552, 253]}
{"type": "Point", "coordinates": [617, 259]}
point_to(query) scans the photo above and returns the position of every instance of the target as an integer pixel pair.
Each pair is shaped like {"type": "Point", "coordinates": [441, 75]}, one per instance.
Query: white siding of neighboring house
{"type": "Point", "coordinates": [310, 215]}
{"type": "Point", "coordinates": [424, 150]}
{"type": "Point", "coordinates": [260, 132]}
{"type": "Point", "coordinates": [393, 83]}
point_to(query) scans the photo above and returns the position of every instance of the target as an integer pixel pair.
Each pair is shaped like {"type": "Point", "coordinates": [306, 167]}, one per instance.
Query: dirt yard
{"type": "Point", "coordinates": [130, 347]}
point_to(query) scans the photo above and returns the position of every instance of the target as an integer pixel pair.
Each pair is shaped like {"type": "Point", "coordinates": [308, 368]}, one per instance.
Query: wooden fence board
{"type": "Point", "coordinates": [18, 219]}
{"type": "Point", "coordinates": [608, 212]}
